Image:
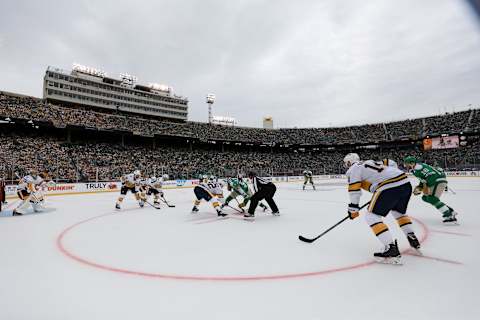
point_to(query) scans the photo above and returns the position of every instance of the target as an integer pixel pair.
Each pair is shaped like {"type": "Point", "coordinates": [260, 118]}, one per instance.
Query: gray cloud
{"type": "Point", "coordinates": [306, 63]}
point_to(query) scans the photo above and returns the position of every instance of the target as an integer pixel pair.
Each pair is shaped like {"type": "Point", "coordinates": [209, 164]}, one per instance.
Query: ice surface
{"type": "Point", "coordinates": [169, 264]}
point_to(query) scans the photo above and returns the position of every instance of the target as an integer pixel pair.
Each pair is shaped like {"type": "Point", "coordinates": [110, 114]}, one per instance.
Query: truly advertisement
{"type": "Point", "coordinates": [102, 186]}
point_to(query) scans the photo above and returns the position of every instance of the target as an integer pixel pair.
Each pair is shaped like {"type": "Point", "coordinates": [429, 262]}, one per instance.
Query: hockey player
{"type": "Point", "coordinates": [308, 176]}
{"type": "Point", "coordinates": [26, 189]}
{"type": "Point", "coordinates": [390, 163]}
{"type": "Point", "coordinates": [263, 189]}
{"type": "Point", "coordinates": [209, 191]}
{"type": "Point", "coordinates": [3, 196]}
{"type": "Point", "coordinates": [239, 187]}
{"type": "Point", "coordinates": [391, 194]}
{"type": "Point", "coordinates": [130, 182]}
{"type": "Point", "coordinates": [433, 182]}
{"type": "Point", "coordinates": [154, 186]}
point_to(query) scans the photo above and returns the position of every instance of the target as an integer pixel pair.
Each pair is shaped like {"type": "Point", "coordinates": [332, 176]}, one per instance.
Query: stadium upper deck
{"type": "Point", "coordinates": [87, 86]}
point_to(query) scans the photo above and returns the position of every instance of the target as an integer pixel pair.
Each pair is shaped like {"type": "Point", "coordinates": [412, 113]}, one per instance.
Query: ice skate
{"type": "Point", "coordinates": [391, 255]}
{"type": "Point", "coordinates": [450, 219]}
{"type": "Point", "coordinates": [221, 214]}
{"type": "Point", "coordinates": [414, 243]}
{"type": "Point", "coordinates": [249, 216]}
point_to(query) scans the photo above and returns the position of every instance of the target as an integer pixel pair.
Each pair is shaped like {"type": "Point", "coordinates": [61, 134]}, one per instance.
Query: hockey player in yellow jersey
{"type": "Point", "coordinates": [130, 182]}
{"type": "Point", "coordinates": [390, 163]}
{"type": "Point", "coordinates": [209, 190]}
{"type": "Point", "coordinates": [391, 193]}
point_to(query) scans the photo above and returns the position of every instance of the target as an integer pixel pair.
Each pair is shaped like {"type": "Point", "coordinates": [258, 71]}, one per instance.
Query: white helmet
{"type": "Point", "coordinates": [33, 172]}
{"type": "Point", "coordinates": [165, 177]}
{"type": "Point", "coordinates": [137, 173]}
{"type": "Point", "coordinates": [350, 159]}
{"type": "Point", "coordinates": [153, 179]}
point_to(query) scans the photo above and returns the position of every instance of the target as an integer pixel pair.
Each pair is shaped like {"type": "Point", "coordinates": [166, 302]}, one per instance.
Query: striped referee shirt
{"type": "Point", "coordinates": [259, 183]}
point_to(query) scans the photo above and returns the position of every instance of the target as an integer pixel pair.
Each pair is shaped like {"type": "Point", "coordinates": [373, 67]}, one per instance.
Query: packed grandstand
{"type": "Point", "coordinates": [82, 143]}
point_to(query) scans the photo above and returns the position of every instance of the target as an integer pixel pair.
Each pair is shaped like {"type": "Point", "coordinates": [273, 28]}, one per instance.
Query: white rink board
{"type": "Point", "coordinates": [111, 186]}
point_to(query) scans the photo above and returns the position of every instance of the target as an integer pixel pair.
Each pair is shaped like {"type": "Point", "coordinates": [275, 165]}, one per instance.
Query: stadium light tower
{"type": "Point", "coordinates": [210, 101]}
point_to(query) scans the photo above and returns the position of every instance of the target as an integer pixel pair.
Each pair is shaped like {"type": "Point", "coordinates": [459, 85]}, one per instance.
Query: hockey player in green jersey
{"type": "Point", "coordinates": [433, 183]}
{"type": "Point", "coordinates": [238, 187]}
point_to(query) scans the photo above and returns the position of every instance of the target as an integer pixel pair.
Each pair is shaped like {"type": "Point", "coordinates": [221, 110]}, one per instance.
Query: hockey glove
{"type": "Point", "coordinates": [353, 211]}
{"type": "Point", "coordinates": [418, 190]}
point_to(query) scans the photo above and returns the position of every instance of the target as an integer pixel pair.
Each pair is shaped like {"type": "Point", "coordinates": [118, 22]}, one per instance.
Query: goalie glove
{"type": "Point", "coordinates": [353, 211]}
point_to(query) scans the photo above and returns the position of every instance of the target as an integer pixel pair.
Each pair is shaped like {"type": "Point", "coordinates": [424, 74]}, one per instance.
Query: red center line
{"type": "Point", "coordinates": [433, 258]}
{"type": "Point", "coordinates": [425, 236]}
{"type": "Point", "coordinates": [211, 219]}
{"type": "Point", "coordinates": [451, 232]}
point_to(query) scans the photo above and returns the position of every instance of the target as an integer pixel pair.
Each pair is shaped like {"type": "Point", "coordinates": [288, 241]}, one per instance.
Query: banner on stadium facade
{"type": "Point", "coordinates": [441, 143]}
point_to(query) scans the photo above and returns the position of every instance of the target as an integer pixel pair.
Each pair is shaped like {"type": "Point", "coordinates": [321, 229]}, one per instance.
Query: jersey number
{"type": "Point", "coordinates": [377, 167]}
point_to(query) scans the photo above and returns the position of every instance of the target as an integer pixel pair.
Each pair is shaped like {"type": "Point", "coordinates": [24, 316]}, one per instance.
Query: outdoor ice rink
{"type": "Point", "coordinates": [81, 259]}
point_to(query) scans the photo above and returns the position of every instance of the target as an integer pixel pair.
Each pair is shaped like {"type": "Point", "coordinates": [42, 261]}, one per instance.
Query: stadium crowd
{"type": "Point", "coordinates": [107, 161]}
{"type": "Point", "coordinates": [28, 108]}
{"type": "Point", "coordinates": [90, 161]}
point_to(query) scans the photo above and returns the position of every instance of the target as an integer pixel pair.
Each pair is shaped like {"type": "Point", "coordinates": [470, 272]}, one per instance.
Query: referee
{"type": "Point", "coordinates": [262, 189]}
{"type": "Point", "coordinates": [3, 198]}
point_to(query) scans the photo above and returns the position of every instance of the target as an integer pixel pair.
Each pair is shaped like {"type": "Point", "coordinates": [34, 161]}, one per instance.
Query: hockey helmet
{"type": "Point", "coordinates": [410, 159]}
{"type": "Point", "coordinates": [350, 159]}
{"type": "Point", "coordinates": [33, 172]}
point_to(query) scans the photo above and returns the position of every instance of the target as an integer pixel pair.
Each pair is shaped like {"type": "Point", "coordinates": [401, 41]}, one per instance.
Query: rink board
{"type": "Point", "coordinates": [114, 186]}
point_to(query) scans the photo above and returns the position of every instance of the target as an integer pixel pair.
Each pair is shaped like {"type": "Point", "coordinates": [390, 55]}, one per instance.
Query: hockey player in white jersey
{"type": "Point", "coordinates": [154, 187]}
{"type": "Point", "coordinates": [27, 191]}
{"type": "Point", "coordinates": [391, 193]}
{"type": "Point", "coordinates": [210, 191]}
{"type": "Point", "coordinates": [390, 163]}
{"type": "Point", "coordinates": [130, 182]}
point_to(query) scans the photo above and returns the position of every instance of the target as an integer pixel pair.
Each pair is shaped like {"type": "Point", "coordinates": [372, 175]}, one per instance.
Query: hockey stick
{"type": "Point", "coordinates": [238, 203]}
{"type": "Point", "coordinates": [449, 189]}
{"type": "Point", "coordinates": [264, 208]}
{"type": "Point", "coordinates": [241, 212]}
{"type": "Point", "coordinates": [310, 240]}
{"type": "Point", "coordinates": [158, 208]}
{"type": "Point", "coordinates": [166, 202]}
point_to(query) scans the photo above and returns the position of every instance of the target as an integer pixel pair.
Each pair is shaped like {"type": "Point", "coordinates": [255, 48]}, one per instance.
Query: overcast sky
{"type": "Point", "coordinates": [305, 63]}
